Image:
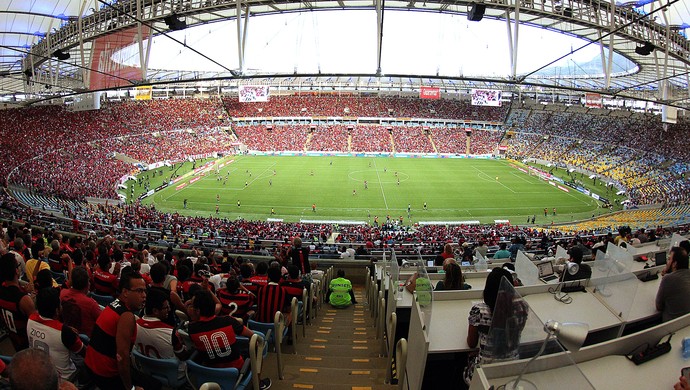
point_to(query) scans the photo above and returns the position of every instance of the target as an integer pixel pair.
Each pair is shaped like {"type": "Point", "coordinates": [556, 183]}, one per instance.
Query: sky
{"type": "Point", "coordinates": [414, 43]}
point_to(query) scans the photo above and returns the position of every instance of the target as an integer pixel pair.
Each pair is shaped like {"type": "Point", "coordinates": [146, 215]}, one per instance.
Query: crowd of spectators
{"type": "Point", "coordinates": [70, 154]}
{"type": "Point", "coordinates": [411, 139]}
{"type": "Point", "coordinates": [330, 138]}
{"type": "Point", "coordinates": [73, 154]}
{"type": "Point", "coordinates": [376, 139]}
{"type": "Point", "coordinates": [273, 138]}
{"type": "Point", "coordinates": [359, 106]}
{"type": "Point", "coordinates": [635, 152]}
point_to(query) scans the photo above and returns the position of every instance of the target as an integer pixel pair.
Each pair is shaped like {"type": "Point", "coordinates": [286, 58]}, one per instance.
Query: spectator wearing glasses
{"type": "Point", "coordinates": [108, 353]}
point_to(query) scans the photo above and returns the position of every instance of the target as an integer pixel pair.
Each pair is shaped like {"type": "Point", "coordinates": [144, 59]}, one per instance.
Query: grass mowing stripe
{"type": "Point", "coordinates": [383, 193]}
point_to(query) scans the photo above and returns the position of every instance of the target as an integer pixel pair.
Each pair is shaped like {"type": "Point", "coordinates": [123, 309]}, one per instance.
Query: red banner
{"type": "Point", "coordinates": [108, 58]}
{"type": "Point", "coordinates": [593, 100]}
{"type": "Point", "coordinates": [430, 93]}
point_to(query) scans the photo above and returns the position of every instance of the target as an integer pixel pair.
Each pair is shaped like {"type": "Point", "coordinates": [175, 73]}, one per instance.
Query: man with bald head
{"type": "Point", "coordinates": [32, 369]}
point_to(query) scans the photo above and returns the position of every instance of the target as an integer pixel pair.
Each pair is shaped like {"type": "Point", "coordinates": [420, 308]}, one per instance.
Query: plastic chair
{"type": "Point", "coordinates": [278, 331]}
{"type": "Point", "coordinates": [389, 345]}
{"type": "Point", "coordinates": [182, 316]}
{"type": "Point", "coordinates": [166, 371]}
{"type": "Point", "coordinates": [401, 362]}
{"type": "Point", "coordinates": [299, 315]}
{"type": "Point", "coordinates": [226, 378]}
{"type": "Point", "coordinates": [103, 300]}
{"type": "Point", "coordinates": [255, 349]}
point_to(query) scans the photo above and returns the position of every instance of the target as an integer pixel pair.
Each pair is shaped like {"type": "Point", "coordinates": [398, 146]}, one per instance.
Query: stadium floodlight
{"type": "Point", "coordinates": [174, 23]}
{"type": "Point", "coordinates": [646, 49]}
{"type": "Point", "coordinates": [476, 12]}
{"type": "Point", "coordinates": [61, 55]}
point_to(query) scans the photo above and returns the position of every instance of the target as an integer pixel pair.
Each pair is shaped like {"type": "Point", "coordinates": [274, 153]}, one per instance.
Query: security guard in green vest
{"type": "Point", "coordinates": [340, 292]}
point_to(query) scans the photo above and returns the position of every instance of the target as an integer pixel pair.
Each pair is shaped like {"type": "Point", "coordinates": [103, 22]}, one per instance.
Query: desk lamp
{"type": "Point", "coordinates": [570, 334]}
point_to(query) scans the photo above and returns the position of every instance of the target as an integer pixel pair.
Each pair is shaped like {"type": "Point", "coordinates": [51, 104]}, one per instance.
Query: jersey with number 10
{"type": "Point", "coordinates": [12, 316]}
{"type": "Point", "coordinates": [215, 337]}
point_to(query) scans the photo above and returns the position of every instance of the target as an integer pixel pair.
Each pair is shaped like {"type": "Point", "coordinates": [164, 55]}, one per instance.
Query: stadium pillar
{"type": "Point", "coordinates": [513, 38]}
{"type": "Point", "coordinates": [467, 142]}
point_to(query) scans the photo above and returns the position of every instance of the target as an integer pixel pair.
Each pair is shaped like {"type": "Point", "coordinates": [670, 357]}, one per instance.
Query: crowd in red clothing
{"type": "Point", "coordinates": [72, 154]}
{"type": "Point", "coordinates": [358, 106]}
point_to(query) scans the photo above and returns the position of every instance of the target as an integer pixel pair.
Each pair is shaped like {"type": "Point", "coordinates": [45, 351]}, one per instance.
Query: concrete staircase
{"type": "Point", "coordinates": [340, 352]}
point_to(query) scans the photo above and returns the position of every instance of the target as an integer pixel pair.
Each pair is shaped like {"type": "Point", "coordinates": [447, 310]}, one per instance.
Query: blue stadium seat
{"type": "Point", "coordinates": [226, 378]}
{"type": "Point", "coordinates": [166, 371]}
{"type": "Point", "coordinates": [103, 300]}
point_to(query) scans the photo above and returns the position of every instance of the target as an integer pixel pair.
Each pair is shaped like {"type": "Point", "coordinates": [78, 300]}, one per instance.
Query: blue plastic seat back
{"type": "Point", "coordinates": [225, 377]}
{"type": "Point", "coordinates": [165, 371]}
{"type": "Point", "coordinates": [243, 344]}
{"type": "Point", "coordinates": [103, 300]}
{"type": "Point", "coordinates": [264, 327]}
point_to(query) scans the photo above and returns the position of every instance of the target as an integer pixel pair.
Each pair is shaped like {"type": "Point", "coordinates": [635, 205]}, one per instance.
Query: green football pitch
{"type": "Point", "coordinates": [453, 189]}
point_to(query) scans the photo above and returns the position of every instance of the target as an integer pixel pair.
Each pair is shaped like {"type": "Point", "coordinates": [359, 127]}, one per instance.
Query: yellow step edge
{"type": "Point", "coordinates": [320, 340]}
{"type": "Point", "coordinates": [361, 372]}
{"type": "Point", "coordinates": [313, 358]}
{"type": "Point", "coordinates": [360, 333]}
{"type": "Point", "coordinates": [323, 331]}
{"type": "Point", "coordinates": [318, 346]}
{"type": "Point", "coordinates": [314, 370]}
{"type": "Point", "coordinates": [325, 327]}
{"type": "Point", "coordinates": [303, 386]}
{"type": "Point", "coordinates": [356, 347]}
{"type": "Point", "coordinates": [360, 328]}
{"type": "Point", "coordinates": [359, 341]}
{"type": "Point", "coordinates": [361, 388]}
{"type": "Point", "coordinates": [360, 360]}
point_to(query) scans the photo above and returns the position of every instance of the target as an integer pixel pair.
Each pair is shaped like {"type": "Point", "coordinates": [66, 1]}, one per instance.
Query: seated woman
{"type": "Point", "coordinates": [502, 313]}
{"type": "Point", "coordinates": [453, 280]}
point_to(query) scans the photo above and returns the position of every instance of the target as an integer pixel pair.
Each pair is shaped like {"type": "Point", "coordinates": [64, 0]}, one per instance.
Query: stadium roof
{"type": "Point", "coordinates": [32, 32]}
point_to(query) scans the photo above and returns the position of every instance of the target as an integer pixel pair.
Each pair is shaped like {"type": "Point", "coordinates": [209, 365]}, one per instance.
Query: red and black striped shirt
{"type": "Point", "coordinates": [271, 298]}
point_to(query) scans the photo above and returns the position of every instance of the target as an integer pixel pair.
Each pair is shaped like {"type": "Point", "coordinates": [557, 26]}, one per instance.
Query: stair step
{"type": "Point", "coordinates": [335, 361]}
{"type": "Point", "coordinates": [350, 350]}
{"type": "Point", "coordinates": [327, 375]}
{"type": "Point", "coordinates": [301, 385]}
{"type": "Point", "coordinates": [334, 340]}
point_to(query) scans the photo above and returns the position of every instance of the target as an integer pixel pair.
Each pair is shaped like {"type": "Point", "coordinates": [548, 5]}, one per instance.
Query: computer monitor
{"type": "Point", "coordinates": [660, 258]}
{"type": "Point", "coordinates": [429, 263]}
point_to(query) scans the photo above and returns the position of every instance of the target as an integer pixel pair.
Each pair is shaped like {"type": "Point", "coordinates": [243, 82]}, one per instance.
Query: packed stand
{"type": "Point", "coordinates": [353, 106]}
{"type": "Point", "coordinates": [411, 140]}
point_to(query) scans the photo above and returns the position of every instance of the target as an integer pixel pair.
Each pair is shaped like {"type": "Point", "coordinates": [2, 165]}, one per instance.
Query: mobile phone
{"type": "Point", "coordinates": [685, 371]}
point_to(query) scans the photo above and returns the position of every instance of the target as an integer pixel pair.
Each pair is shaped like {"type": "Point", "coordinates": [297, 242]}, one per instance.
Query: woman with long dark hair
{"type": "Point", "coordinates": [496, 323]}
{"type": "Point", "coordinates": [453, 279]}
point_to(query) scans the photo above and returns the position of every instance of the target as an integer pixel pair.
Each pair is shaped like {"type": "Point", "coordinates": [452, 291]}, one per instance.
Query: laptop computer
{"type": "Point", "coordinates": [660, 258]}
{"type": "Point", "coordinates": [546, 273]}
